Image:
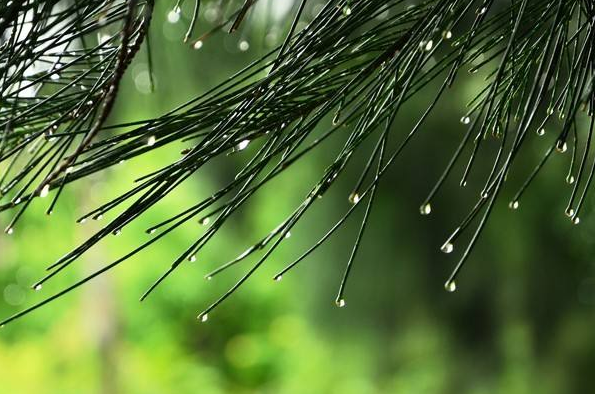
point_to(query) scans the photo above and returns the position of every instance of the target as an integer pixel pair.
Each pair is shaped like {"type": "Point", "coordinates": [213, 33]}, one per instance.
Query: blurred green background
{"type": "Point", "coordinates": [521, 320]}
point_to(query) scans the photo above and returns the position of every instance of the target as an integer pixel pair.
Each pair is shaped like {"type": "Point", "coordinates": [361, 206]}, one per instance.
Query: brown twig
{"type": "Point", "coordinates": [241, 15]}
{"type": "Point", "coordinates": [125, 55]}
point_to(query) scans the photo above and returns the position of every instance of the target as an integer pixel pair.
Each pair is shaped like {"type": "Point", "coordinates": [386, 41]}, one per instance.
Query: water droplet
{"type": "Point", "coordinates": [204, 221]}
{"type": "Point", "coordinates": [570, 179]}
{"type": "Point", "coordinates": [450, 286]}
{"type": "Point", "coordinates": [288, 234]}
{"type": "Point", "coordinates": [447, 247]}
{"type": "Point", "coordinates": [209, 277]}
{"type": "Point", "coordinates": [513, 204]}
{"type": "Point", "coordinates": [354, 198]}
{"type": "Point", "coordinates": [540, 131]}
{"type": "Point", "coordinates": [55, 76]}
{"type": "Point", "coordinates": [173, 16]}
{"type": "Point", "coordinates": [569, 212]}
{"type": "Point", "coordinates": [37, 287]}
{"type": "Point", "coordinates": [346, 10]}
{"type": "Point", "coordinates": [481, 10]}
{"type": "Point", "coordinates": [278, 278]}
{"type": "Point", "coordinates": [243, 145]}
{"type": "Point", "coordinates": [484, 194]}
{"type": "Point", "coordinates": [576, 220]}
{"type": "Point", "coordinates": [9, 231]}
{"type": "Point", "coordinates": [117, 232]}
{"type": "Point", "coordinates": [561, 146]}
{"type": "Point", "coordinates": [447, 34]}
{"type": "Point", "coordinates": [429, 45]}
{"type": "Point", "coordinates": [197, 44]}
{"type": "Point", "coordinates": [425, 209]}
{"type": "Point", "coordinates": [465, 120]}
{"type": "Point", "coordinates": [340, 302]}
{"type": "Point", "coordinates": [44, 191]}
{"type": "Point", "coordinates": [244, 45]}
{"type": "Point", "coordinates": [98, 217]}
{"type": "Point", "coordinates": [192, 258]}
{"type": "Point", "coordinates": [151, 141]}
{"type": "Point", "coordinates": [203, 317]}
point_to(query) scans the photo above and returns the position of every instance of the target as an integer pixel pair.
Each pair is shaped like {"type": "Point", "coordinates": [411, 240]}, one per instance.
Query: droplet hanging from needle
{"type": "Point", "coordinates": [450, 286]}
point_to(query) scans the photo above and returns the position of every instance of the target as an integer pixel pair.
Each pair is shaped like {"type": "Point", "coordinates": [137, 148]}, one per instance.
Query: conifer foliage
{"type": "Point", "coordinates": [346, 74]}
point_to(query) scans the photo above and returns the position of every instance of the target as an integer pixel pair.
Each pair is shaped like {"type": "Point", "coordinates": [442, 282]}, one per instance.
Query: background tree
{"type": "Point", "coordinates": [521, 320]}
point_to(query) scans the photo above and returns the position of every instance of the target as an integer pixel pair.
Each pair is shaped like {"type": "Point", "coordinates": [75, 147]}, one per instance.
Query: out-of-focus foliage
{"type": "Point", "coordinates": [521, 321]}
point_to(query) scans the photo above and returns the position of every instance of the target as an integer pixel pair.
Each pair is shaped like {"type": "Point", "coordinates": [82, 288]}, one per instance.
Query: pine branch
{"type": "Point", "coordinates": [358, 62]}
